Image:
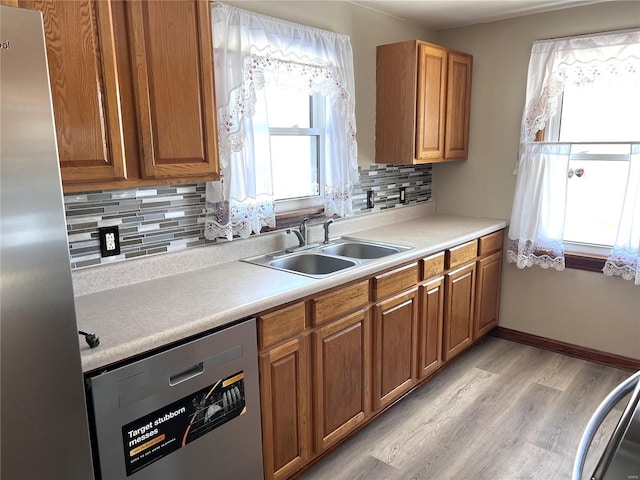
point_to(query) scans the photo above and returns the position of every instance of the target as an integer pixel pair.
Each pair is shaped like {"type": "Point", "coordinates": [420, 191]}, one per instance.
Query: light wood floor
{"type": "Point", "coordinates": [501, 411]}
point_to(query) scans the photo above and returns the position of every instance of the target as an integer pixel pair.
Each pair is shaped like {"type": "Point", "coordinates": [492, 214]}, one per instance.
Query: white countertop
{"type": "Point", "coordinates": [140, 317]}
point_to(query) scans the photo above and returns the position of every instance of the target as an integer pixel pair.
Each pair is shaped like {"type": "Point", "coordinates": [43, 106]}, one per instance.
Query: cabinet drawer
{"type": "Point", "coordinates": [462, 254]}
{"type": "Point", "coordinates": [280, 325]}
{"type": "Point", "coordinates": [491, 243]}
{"type": "Point", "coordinates": [432, 266]}
{"type": "Point", "coordinates": [394, 281]}
{"type": "Point", "coordinates": [340, 302]}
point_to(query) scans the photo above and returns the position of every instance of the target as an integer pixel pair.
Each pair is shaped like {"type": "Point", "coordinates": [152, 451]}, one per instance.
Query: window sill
{"type": "Point", "coordinates": [589, 263]}
{"type": "Point", "coordinates": [302, 212]}
{"type": "Point", "coordinates": [293, 218]}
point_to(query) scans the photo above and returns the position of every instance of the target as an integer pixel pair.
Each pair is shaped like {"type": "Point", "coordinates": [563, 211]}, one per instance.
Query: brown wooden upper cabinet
{"type": "Point", "coordinates": [423, 95]}
{"type": "Point", "coordinates": [83, 69]}
{"type": "Point", "coordinates": [133, 91]}
{"type": "Point", "coordinates": [172, 60]}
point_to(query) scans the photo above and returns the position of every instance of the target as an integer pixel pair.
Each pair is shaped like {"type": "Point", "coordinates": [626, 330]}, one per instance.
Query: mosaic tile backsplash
{"type": "Point", "coordinates": [168, 218]}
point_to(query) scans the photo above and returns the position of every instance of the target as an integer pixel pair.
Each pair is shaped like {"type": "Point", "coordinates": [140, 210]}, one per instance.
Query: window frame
{"type": "Point", "coordinates": [582, 255]}
{"type": "Point", "coordinates": [593, 248]}
{"type": "Point", "coordinates": [317, 122]}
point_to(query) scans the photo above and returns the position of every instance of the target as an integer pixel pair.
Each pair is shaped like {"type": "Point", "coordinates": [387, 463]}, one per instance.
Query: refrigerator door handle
{"type": "Point", "coordinates": [631, 383]}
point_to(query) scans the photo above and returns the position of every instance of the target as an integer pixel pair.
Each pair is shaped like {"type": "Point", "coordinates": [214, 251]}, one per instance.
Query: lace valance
{"type": "Point", "coordinates": [259, 71]}
{"type": "Point", "coordinates": [588, 59]}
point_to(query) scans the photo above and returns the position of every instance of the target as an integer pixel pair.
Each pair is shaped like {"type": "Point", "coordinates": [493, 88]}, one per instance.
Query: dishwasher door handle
{"type": "Point", "coordinates": [188, 374]}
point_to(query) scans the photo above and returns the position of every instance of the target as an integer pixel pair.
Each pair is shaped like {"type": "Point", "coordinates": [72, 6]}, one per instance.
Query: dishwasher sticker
{"type": "Point", "coordinates": [170, 428]}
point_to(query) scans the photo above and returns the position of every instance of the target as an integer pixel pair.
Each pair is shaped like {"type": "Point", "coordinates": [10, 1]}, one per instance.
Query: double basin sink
{"type": "Point", "coordinates": [322, 260]}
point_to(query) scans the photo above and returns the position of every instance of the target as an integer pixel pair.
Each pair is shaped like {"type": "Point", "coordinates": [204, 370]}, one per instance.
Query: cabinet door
{"type": "Point", "coordinates": [284, 395]}
{"type": "Point", "coordinates": [172, 57]}
{"type": "Point", "coordinates": [394, 347]}
{"type": "Point", "coordinates": [487, 294]}
{"type": "Point", "coordinates": [456, 142]}
{"type": "Point", "coordinates": [458, 317]}
{"type": "Point", "coordinates": [430, 327]}
{"type": "Point", "coordinates": [430, 112]}
{"type": "Point", "coordinates": [395, 103]}
{"type": "Point", "coordinates": [341, 377]}
{"type": "Point", "coordinates": [83, 70]}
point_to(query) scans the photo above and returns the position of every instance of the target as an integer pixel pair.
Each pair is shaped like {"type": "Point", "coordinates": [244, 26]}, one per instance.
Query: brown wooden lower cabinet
{"type": "Point", "coordinates": [332, 362]}
{"type": "Point", "coordinates": [458, 314]}
{"type": "Point", "coordinates": [394, 347]}
{"type": "Point", "coordinates": [487, 294]}
{"type": "Point", "coordinates": [341, 372]}
{"type": "Point", "coordinates": [284, 390]}
{"type": "Point", "coordinates": [430, 326]}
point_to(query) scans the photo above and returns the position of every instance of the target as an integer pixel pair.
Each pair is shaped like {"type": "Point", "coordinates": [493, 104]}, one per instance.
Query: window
{"type": "Point", "coordinates": [296, 134]}
{"type": "Point", "coordinates": [578, 174]}
{"type": "Point", "coordinates": [598, 172]}
{"type": "Point", "coordinates": [285, 102]}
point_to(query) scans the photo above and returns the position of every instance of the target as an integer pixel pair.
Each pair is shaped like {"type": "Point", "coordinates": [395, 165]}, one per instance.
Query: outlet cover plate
{"type": "Point", "coordinates": [109, 241]}
{"type": "Point", "coordinates": [403, 195]}
{"type": "Point", "coordinates": [370, 202]}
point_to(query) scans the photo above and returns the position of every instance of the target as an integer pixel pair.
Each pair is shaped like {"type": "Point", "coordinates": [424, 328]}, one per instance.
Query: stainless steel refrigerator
{"type": "Point", "coordinates": [44, 429]}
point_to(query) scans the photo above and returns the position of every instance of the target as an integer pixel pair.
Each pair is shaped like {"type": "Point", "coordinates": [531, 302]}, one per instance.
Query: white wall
{"type": "Point", "coordinates": [367, 29]}
{"type": "Point", "coordinates": [578, 307]}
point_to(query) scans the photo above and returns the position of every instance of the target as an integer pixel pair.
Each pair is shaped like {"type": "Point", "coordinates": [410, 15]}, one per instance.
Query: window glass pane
{"type": "Point", "coordinates": [294, 166]}
{"type": "Point", "coordinates": [600, 113]}
{"type": "Point", "coordinates": [287, 109]}
{"type": "Point", "coordinates": [594, 200]}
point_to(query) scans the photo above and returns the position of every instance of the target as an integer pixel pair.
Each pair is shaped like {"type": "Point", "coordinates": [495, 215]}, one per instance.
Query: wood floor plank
{"type": "Point", "coordinates": [506, 436]}
{"type": "Point", "coordinates": [479, 420]}
{"type": "Point", "coordinates": [362, 468]}
{"type": "Point", "coordinates": [559, 371]}
{"type": "Point", "coordinates": [425, 425]}
{"type": "Point", "coordinates": [499, 358]}
{"type": "Point", "coordinates": [517, 460]}
{"type": "Point", "coordinates": [557, 432]}
{"type": "Point", "coordinates": [502, 410]}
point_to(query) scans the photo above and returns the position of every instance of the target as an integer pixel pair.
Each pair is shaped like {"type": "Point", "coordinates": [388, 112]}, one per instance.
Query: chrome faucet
{"type": "Point", "coordinates": [301, 233]}
{"type": "Point", "coordinates": [328, 222]}
{"type": "Point", "coordinates": [301, 240]}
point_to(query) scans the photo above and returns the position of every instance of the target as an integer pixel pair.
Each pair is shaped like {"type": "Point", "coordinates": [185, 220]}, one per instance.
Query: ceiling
{"type": "Point", "coordinates": [442, 14]}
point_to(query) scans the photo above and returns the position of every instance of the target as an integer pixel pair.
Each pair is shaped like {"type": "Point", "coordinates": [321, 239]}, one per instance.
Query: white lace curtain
{"type": "Point", "coordinates": [536, 229]}
{"type": "Point", "coordinates": [250, 52]}
{"type": "Point", "coordinates": [625, 256]}
{"type": "Point", "coordinates": [537, 220]}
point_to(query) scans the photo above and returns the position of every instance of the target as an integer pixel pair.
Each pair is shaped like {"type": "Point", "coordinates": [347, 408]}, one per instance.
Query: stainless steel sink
{"type": "Point", "coordinates": [355, 249]}
{"type": "Point", "coordinates": [312, 263]}
{"type": "Point", "coordinates": [322, 260]}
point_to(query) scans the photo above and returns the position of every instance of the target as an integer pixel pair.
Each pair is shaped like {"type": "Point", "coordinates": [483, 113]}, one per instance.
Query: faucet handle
{"type": "Point", "coordinates": [303, 228]}
{"type": "Point", "coordinates": [326, 224]}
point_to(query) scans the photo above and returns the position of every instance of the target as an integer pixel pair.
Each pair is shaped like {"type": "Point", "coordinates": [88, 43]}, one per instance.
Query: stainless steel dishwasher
{"type": "Point", "coordinates": [188, 413]}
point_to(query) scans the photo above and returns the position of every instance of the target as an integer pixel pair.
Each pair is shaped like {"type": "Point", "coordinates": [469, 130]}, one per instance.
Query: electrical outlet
{"type": "Point", "coordinates": [403, 195]}
{"type": "Point", "coordinates": [109, 241]}
{"type": "Point", "coordinates": [369, 198]}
